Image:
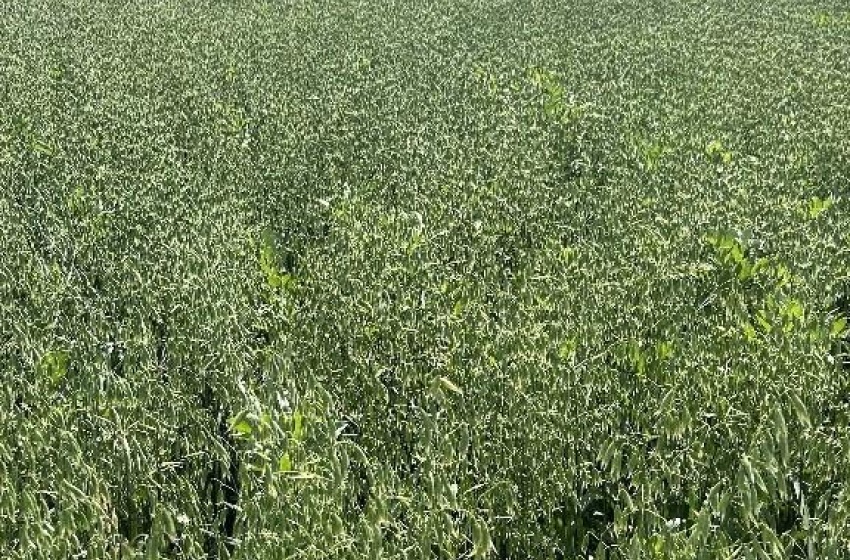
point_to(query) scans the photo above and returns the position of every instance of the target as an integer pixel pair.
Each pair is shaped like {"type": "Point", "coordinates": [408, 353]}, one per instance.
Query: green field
{"type": "Point", "coordinates": [425, 279]}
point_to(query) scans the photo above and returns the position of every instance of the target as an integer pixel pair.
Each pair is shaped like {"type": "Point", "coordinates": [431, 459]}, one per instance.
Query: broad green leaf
{"type": "Point", "coordinates": [458, 308]}
{"type": "Point", "coordinates": [838, 328]}
{"type": "Point", "coordinates": [567, 349]}
{"type": "Point", "coordinates": [664, 350]}
{"type": "Point", "coordinates": [794, 309]}
{"type": "Point", "coordinates": [749, 332]}
{"type": "Point", "coordinates": [242, 427]}
{"type": "Point", "coordinates": [818, 206]}
{"type": "Point", "coordinates": [297, 426]}
{"type": "Point", "coordinates": [54, 366]}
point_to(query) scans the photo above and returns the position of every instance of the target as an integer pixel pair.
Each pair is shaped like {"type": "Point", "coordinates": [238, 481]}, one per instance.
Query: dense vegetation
{"type": "Point", "coordinates": [308, 279]}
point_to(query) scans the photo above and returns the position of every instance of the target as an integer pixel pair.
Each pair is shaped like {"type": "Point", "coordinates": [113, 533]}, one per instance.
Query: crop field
{"type": "Point", "coordinates": [425, 279]}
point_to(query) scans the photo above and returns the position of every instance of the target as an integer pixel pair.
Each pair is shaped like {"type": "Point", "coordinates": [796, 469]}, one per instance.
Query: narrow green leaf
{"type": "Point", "coordinates": [450, 386]}
{"type": "Point", "coordinates": [781, 433]}
{"type": "Point", "coordinates": [800, 410]}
